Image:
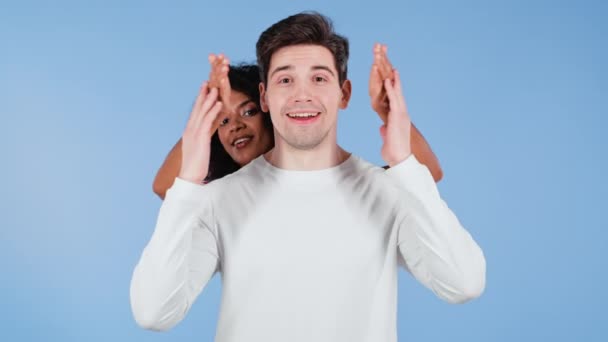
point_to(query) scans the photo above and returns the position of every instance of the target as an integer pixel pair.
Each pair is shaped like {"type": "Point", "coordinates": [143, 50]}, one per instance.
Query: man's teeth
{"type": "Point", "coordinates": [302, 115]}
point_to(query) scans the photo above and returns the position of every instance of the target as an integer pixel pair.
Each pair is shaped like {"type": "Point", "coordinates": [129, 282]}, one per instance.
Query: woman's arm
{"type": "Point", "coordinates": [168, 171]}
{"type": "Point", "coordinates": [422, 150]}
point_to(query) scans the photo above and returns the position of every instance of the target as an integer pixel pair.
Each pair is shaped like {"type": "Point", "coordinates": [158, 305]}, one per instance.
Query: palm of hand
{"type": "Point", "coordinates": [387, 100]}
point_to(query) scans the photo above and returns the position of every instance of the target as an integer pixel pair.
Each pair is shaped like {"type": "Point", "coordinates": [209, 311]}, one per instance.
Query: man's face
{"type": "Point", "coordinates": [303, 95]}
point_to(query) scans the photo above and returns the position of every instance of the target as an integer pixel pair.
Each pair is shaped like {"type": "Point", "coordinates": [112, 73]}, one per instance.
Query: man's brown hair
{"type": "Point", "coordinates": [303, 28]}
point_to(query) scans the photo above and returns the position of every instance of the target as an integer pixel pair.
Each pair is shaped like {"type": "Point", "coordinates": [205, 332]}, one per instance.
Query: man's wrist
{"type": "Point", "coordinates": [399, 159]}
{"type": "Point", "coordinates": [196, 179]}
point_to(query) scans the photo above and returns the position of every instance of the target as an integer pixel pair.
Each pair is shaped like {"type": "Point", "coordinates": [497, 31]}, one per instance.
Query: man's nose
{"type": "Point", "coordinates": [302, 93]}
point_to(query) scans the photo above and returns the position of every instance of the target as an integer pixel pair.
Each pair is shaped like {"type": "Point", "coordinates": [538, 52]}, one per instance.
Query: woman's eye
{"type": "Point", "coordinates": [224, 122]}
{"type": "Point", "coordinates": [250, 112]}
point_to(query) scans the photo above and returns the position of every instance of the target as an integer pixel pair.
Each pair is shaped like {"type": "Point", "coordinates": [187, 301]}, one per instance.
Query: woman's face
{"type": "Point", "coordinates": [242, 131]}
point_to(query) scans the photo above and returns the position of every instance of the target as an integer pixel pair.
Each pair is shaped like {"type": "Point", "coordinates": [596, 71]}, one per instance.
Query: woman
{"type": "Point", "coordinates": [245, 132]}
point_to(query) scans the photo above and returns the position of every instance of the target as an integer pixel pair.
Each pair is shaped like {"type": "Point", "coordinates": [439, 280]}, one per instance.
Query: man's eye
{"type": "Point", "coordinates": [224, 122]}
{"type": "Point", "coordinates": [320, 79]}
{"type": "Point", "coordinates": [284, 80]}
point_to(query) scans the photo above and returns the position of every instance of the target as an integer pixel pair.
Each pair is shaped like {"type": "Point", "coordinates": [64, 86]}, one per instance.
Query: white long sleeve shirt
{"type": "Point", "coordinates": [304, 255]}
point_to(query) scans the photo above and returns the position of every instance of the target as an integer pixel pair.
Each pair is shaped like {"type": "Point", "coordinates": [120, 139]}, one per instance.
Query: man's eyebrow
{"type": "Point", "coordinates": [281, 68]}
{"type": "Point", "coordinates": [323, 67]}
{"type": "Point", "coordinates": [291, 67]}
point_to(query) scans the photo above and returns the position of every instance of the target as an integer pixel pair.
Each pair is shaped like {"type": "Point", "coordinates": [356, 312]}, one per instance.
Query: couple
{"type": "Point", "coordinates": [307, 237]}
{"type": "Point", "coordinates": [244, 132]}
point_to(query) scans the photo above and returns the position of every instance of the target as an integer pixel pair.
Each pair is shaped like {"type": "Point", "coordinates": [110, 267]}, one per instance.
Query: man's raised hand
{"type": "Point", "coordinates": [196, 140]}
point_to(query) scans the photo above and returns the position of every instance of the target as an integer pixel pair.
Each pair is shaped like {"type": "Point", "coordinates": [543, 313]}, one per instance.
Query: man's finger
{"type": "Point", "coordinates": [195, 113]}
{"type": "Point", "coordinates": [387, 68]}
{"type": "Point", "coordinates": [383, 132]}
{"type": "Point", "coordinates": [399, 91]}
{"type": "Point", "coordinates": [392, 96]}
{"type": "Point", "coordinates": [212, 119]}
{"type": "Point", "coordinates": [379, 65]}
{"type": "Point", "coordinates": [209, 101]}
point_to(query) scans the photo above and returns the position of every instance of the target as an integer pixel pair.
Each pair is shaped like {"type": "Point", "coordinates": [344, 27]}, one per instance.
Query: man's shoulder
{"type": "Point", "coordinates": [362, 166]}
{"type": "Point", "coordinates": [241, 176]}
{"type": "Point", "coordinates": [368, 172]}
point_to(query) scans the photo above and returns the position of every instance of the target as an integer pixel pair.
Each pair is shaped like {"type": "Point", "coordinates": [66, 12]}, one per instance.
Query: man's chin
{"type": "Point", "coordinates": [304, 145]}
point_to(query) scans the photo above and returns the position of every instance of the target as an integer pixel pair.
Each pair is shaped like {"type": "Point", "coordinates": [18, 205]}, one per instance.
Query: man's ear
{"type": "Point", "coordinates": [263, 102]}
{"type": "Point", "coordinates": [346, 92]}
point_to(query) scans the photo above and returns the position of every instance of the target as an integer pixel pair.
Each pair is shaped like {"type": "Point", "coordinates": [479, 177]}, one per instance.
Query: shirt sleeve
{"type": "Point", "coordinates": [178, 261]}
{"type": "Point", "coordinates": [434, 246]}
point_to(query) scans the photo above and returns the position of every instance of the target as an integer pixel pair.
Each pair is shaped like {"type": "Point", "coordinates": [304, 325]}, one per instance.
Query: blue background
{"type": "Point", "coordinates": [510, 94]}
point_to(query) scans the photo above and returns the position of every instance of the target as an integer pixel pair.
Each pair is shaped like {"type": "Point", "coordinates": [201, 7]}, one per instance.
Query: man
{"type": "Point", "coordinates": [307, 237]}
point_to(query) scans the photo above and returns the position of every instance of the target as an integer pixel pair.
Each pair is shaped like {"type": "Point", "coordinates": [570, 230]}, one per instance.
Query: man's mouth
{"type": "Point", "coordinates": [241, 142]}
{"type": "Point", "coordinates": [303, 117]}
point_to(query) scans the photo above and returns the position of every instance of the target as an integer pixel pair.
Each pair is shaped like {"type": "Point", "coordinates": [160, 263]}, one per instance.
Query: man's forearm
{"type": "Point", "coordinates": [163, 287]}
{"type": "Point", "coordinates": [438, 251]}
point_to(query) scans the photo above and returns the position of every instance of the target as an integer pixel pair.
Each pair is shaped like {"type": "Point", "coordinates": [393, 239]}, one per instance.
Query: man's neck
{"type": "Point", "coordinates": [324, 156]}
